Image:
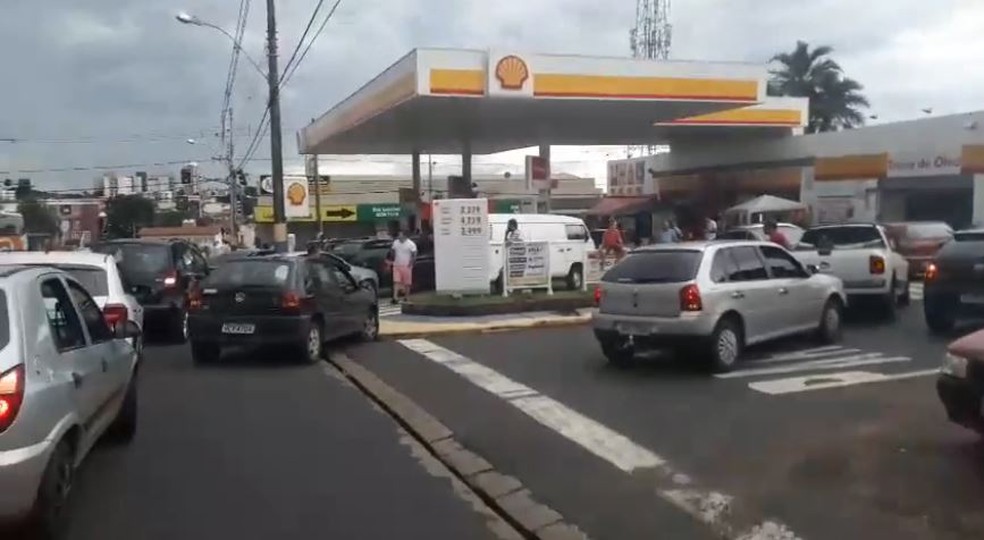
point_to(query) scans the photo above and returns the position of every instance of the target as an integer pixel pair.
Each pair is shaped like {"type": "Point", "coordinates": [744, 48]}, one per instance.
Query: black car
{"type": "Point", "coordinates": [954, 282]}
{"type": "Point", "coordinates": [375, 254]}
{"type": "Point", "coordinates": [159, 274]}
{"type": "Point", "coordinates": [293, 302]}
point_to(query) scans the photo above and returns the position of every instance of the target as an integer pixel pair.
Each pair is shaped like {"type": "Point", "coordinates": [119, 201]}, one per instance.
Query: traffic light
{"type": "Point", "coordinates": [186, 175]}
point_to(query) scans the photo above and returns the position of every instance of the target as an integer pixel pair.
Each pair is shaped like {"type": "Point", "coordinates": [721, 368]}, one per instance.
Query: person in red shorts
{"type": "Point", "coordinates": [774, 235]}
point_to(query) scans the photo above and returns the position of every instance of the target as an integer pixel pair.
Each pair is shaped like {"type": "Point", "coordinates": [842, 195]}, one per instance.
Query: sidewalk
{"type": "Point", "coordinates": [399, 326]}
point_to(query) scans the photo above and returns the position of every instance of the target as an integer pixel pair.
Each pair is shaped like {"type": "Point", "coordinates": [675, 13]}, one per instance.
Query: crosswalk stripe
{"type": "Point", "coordinates": [389, 310]}
{"type": "Point", "coordinates": [831, 380]}
{"type": "Point", "coordinates": [805, 355]}
{"type": "Point", "coordinates": [825, 364]}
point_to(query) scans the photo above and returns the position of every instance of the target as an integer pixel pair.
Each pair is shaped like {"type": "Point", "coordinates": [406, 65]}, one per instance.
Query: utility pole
{"type": "Point", "coordinates": [276, 147]}
{"type": "Point", "coordinates": [430, 178]}
{"type": "Point", "coordinates": [233, 186]}
{"type": "Point", "coordinates": [316, 178]}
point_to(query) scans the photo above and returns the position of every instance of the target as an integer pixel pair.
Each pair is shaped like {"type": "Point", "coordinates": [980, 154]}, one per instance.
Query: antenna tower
{"type": "Point", "coordinates": [650, 40]}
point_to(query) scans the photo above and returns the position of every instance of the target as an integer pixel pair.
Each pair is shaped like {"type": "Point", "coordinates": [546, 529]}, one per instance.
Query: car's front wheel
{"type": "Point", "coordinates": [830, 330]}
{"type": "Point", "coordinates": [310, 351]}
{"type": "Point", "coordinates": [49, 516]}
{"type": "Point", "coordinates": [726, 344]}
{"type": "Point", "coordinates": [370, 326]}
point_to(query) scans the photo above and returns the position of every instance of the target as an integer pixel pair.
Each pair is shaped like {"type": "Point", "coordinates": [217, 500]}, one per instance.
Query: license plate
{"type": "Point", "coordinates": [972, 298]}
{"type": "Point", "coordinates": [238, 328]}
{"type": "Point", "coordinates": [632, 329]}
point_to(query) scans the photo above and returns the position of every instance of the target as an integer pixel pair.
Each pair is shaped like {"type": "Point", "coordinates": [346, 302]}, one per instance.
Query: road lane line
{"type": "Point", "coordinates": [868, 359]}
{"type": "Point", "coordinates": [832, 380]}
{"type": "Point", "coordinates": [805, 355]}
{"type": "Point", "coordinates": [711, 508]}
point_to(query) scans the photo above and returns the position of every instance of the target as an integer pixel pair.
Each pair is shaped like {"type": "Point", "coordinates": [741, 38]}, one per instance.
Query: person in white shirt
{"type": "Point", "coordinates": [404, 255]}
{"type": "Point", "coordinates": [512, 232]}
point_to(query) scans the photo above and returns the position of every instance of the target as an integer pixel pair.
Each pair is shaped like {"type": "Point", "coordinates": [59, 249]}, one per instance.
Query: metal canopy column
{"type": "Point", "coordinates": [545, 155]}
{"type": "Point", "coordinates": [416, 175]}
{"type": "Point", "coordinates": [466, 163]}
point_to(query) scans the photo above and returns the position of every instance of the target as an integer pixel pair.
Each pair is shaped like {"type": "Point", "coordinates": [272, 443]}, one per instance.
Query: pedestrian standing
{"type": "Point", "coordinates": [775, 235]}
{"type": "Point", "coordinates": [404, 256]}
{"type": "Point", "coordinates": [710, 229]}
{"type": "Point", "coordinates": [612, 242]}
{"type": "Point", "coordinates": [512, 232]}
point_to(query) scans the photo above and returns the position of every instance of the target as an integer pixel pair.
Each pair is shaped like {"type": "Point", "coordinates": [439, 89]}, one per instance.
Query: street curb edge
{"type": "Point", "coordinates": [504, 494]}
{"type": "Point", "coordinates": [558, 323]}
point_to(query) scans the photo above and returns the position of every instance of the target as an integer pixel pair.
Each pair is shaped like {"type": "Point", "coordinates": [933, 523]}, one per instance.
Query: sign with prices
{"type": "Point", "coordinates": [527, 265]}
{"type": "Point", "coordinates": [462, 250]}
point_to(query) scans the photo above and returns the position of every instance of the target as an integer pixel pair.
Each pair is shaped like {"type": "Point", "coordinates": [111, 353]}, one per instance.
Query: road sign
{"type": "Point", "coordinates": [340, 213]}
{"type": "Point", "coordinates": [378, 212]}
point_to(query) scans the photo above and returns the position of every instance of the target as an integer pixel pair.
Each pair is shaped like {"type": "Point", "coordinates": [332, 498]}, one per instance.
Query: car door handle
{"type": "Point", "coordinates": [783, 290]}
{"type": "Point", "coordinates": [737, 294]}
{"type": "Point", "coordinates": [77, 379]}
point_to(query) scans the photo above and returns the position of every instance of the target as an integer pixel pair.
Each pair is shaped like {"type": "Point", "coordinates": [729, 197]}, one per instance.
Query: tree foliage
{"type": "Point", "coordinates": [38, 218]}
{"type": "Point", "coordinates": [836, 101]}
{"type": "Point", "coordinates": [127, 214]}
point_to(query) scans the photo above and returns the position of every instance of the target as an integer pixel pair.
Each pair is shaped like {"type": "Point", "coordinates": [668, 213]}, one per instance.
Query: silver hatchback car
{"type": "Point", "coordinates": [715, 296]}
{"type": "Point", "coordinates": [66, 377]}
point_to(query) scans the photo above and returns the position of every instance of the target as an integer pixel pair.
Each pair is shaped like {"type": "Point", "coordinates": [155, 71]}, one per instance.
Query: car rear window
{"type": "Point", "coordinates": [842, 237]}
{"type": "Point", "coordinates": [925, 231]}
{"type": "Point", "coordinates": [139, 258]}
{"type": "Point", "coordinates": [250, 273]}
{"type": "Point", "coordinates": [93, 278]}
{"type": "Point", "coordinates": [662, 266]}
{"type": "Point", "coordinates": [969, 236]}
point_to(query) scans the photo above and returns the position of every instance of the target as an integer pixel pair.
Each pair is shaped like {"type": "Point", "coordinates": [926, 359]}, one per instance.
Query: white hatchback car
{"type": "Point", "coordinates": [98, 273]}
{"type": "Point", "coordinates": [66, 377]}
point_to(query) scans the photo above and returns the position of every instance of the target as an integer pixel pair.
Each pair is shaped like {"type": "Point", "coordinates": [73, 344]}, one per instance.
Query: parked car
{"type": "Point", "coordinates": [716, 297]}
{"type": "Point", "coordinates": [570, 243]}
{"type": "Point", "coordinates": [960, 384]}
{"type": "Point", "coordinates": [160, 274]}
{"type": "Point", "coordinates": [953, 285]}
{"type": "Point", "coordinates": [98, 273]}
{"type": "Point", "coordinates": [863, 257]}
{"type": "Point", "coordinates": [292, 301]}
{"type": "Point", "coordinates": [919, 241]}
{"type": "Point", "coordinates": [374, 254]}
{"type": "Point", "coordinates": [365, 277]}
{"type": "Point", "coordinates": [66, 378]}
{"type": "Point", "coordinates": [756, 231]}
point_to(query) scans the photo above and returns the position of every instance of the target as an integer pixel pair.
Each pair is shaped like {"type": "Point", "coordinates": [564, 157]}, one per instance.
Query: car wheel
{"type": "Point", "coordinates": [311, 349]}
{"type": "Point", "coordinates": [939, 319]}
{"type": "Point", "coordinates": [575, 278]}
{"type": "Point", "coordinates": [124, 427]}
{"type": "Point", "coordinates": [905, 299]}
{"type": "Point", "coordinates": [370, 327]}
{"type": "Point", "coordinates": [727, 344]}
{"type": "Point", "coordinates": [204, 353]}
{"type": "Point", "coordinates": [179, 326]}
{"type": "Point", "coordinates": [890, 302]}
{"type": "Point", "coordinates": [830, 329]}
{"type": "Point", "coordinates": [618, 352]}
{"type": "Point", "coordinates": [49, 516]}
{"type": "Point", "coordinates": [369, 286]}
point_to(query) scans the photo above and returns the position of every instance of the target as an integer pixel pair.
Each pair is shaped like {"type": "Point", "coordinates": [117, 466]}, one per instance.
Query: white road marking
{"type": "Point", "coordinates": [806, 354]}
{"type": "Point", "coordinates": [388, 310]}
{"type": "Point", "coordinates": [710, 507]}
{"type": "Point", "coordinates": [867, 359]}
{"type": "Point", "coordinates": [831, 380]}
{"type": "Point", "coordinates": [916, 291]}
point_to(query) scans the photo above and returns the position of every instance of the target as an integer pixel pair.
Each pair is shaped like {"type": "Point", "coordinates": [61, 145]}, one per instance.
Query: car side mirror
{"type": "Point", "coordinates": [126, 330]}
{"type": "Point", "coordinates": [813, 269]}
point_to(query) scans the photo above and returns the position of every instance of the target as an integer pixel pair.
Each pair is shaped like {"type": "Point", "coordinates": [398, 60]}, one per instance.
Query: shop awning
{"type": "Point", "coordinates": [620, 206]}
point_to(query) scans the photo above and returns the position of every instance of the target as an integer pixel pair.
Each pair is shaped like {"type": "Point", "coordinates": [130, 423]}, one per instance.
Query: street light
{"type": "Point", "coordinates": [185, 18]}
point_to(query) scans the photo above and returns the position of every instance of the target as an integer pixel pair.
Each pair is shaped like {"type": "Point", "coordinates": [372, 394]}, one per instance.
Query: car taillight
{"type": "Point", "coordinates": [195, 300]}
{"type": "Point", "coordinates": [598, 294]}
{"type": "Point", "coordinates": [171, 279]}
{"type": "Point", "coordinates": [115, 314]}
{"type": "Point", "coordinates": [11, 395]}
{"type": "Point", "coordinates": [932, 272]}
{"type": "Point", "coordinates": [690, 299]}
{"type": "Point", "coordinates": [290, 302]}
{"type": "Point", "coordinates": [876, 264]}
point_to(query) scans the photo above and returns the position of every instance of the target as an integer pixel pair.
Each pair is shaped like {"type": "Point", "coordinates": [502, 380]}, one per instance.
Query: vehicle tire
{"type": "Point", "coordinates": [204, 353]}
{"type": "Point", "coordinates": [617, 352]}
{"type": "Point", "coordinates": [830, 330]}
{"type": "Point", "coordinates": [939, 319]}
{"type": "Point", "coordinates": [889, 303]}
{"type": "Point", "coordinates": [179, 326]}
{"type": "Point", "coordinates": [369, 286]}
{"type": "Point", "coordinates": [575, 278]}
{"type": "Point", "coordinates": [312, 348]}
{"type": "Point", "coordinates": [726, 345]}
{"type": "Point", "coordinates": [124, 427]}
{"type": "Point", "coordinates": [48, 519]}
{"type": "Point", "coordinates": [905, 299]}
{"type": "Point", "coordinates": [370, 327]}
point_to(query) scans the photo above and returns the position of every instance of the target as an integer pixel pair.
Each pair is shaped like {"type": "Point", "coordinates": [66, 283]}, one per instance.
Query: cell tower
{"type": "Point", "coordinates": [651, 39]}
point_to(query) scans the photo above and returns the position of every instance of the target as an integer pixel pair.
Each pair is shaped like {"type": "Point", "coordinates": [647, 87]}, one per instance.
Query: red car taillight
{"type": "Point", "coordinates": [598, 294]}
{"type": "Point", "coordinates": [195, 300]}
{"type": "Point", "coordinates": [932, 272]}
{"type": "Point", "coordinates": [115, 314]}
{"type": "Point", "coordinates": [690, 299]}
{"type": "Point", "coordinates": [11, 395]}
{"type": "Point", "coordinates": [876, 264]}
{"type": "Point", "coordinates": [171, 280]}
{"type": "Point", "coordinates": [291, 303]}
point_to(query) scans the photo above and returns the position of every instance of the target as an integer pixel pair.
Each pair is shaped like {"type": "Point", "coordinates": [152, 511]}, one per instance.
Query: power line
{"type": "Point", "coordinates": [132, 138]}
{"type": "Point", "coordinates": [287, 76]}
{"type": "Point", "coordinates": [300, 42]}
{"type": "Point", "coordinates": [104, 167]}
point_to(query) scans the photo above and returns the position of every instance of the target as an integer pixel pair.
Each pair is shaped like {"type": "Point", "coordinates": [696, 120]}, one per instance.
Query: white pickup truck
{"type": "Point", "coordinates": [863, 257]}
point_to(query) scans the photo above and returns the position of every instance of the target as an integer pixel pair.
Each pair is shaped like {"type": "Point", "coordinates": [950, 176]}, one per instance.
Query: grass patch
{"type": "Point", "coordinates": [517, 297]}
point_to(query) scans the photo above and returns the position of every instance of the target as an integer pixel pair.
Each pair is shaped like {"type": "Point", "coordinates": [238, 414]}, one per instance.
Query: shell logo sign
{"type": "Point", "coordinates": [296, 199]}
{"type": "Point", "coordinates": [509, 76]}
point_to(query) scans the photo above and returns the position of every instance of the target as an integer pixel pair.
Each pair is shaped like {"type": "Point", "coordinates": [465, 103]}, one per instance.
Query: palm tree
{"type": "Point", "coordinates": [836, 101]}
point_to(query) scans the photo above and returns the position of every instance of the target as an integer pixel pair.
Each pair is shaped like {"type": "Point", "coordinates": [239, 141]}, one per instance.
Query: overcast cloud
{"type": "Point", "coordinates": [105, 82]}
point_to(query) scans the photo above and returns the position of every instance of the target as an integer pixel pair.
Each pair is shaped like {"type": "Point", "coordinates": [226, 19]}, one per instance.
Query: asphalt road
{"type": "Point", "coordinates": [791, 442]}
{"type": "Point", "coordinates": [255, 448]}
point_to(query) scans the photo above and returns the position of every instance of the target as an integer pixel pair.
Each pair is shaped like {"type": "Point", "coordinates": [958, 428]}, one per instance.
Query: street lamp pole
{"type": "Point", "coordinates": [276, 146]}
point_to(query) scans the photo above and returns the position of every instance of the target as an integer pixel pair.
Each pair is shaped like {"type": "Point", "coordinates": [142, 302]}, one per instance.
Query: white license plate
{"type": "Point", "coordinates": [972, 298]}
{"type": "Point", "coordinates": [635, 329]}
{"type": "Point", "coordinates": [238, 328]}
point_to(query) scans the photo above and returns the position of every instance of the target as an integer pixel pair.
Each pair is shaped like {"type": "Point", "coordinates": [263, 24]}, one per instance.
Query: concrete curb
{"type": "Point", "coordinates": [442, 329]}
{"type": "Point", "coordinates": [502, 493]}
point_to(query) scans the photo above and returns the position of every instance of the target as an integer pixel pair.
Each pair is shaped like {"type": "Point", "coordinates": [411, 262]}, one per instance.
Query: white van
{"type": "Point", "coordinates": [570, 243]}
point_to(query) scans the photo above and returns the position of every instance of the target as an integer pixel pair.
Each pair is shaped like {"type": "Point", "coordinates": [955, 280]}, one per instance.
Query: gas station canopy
{"type": "Point", "coordinates": [445, 101]}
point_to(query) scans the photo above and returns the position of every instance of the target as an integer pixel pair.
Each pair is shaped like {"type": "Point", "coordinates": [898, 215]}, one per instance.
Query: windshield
{"type": "Point", "coordinates": [669, 266]}
{"type": "Point", "coordinates": [842, 237]}
{"type": "Point", "coordinates": [927, 231]}
{"type": "Point", "coordinates": [250, 273]}
{"type": "Point", "coordinates": [138, 258]}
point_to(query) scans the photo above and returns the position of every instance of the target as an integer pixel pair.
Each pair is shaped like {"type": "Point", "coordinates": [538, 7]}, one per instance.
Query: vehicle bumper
{"type": "Point", "coordinates": [867, 287]}
{"type": "Point", "coordinates": [917, 265]}
{"type": "Point", "coordinates": [269, 330]}
{"type": "Point", "coordinates": [20, 475]}
{"type": "Point", "coordinates": [962, 400]}
{"type": "Point", "coordinates": [655, 332]}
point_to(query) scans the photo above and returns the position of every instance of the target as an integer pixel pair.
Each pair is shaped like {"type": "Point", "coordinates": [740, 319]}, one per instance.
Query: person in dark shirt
{"type": "Point", "coordinates": [774, 235]}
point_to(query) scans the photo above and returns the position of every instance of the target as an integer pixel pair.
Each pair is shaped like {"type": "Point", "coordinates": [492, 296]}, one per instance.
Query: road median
{"type": "Point", "coordinates": [406, 327]}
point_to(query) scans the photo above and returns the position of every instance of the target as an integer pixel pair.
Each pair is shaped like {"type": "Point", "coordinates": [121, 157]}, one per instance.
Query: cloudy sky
{"type": "Point", "coordinates": [93, 83]}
